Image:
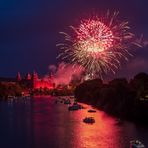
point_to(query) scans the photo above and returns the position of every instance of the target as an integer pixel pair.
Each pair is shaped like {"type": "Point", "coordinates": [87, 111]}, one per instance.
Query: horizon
{"type": "Point", "coordinates": [30, 32]}
{"type": "Point", "coordinates": [55, 75]}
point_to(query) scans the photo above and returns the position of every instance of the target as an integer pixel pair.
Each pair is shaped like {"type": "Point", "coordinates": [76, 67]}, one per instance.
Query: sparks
{"type": "Point", "coordinates": [98, 44]}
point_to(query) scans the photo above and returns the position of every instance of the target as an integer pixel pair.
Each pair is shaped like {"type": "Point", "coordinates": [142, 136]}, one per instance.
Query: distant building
{"type": "Point", "coordinates": [42, 82]}
{"type": "Point", "coordinates": [18, 77]}
{"type": "Point", "coordinates": [30, 81]}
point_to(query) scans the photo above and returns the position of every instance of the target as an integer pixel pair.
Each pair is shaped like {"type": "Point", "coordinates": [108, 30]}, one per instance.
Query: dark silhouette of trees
{"type": "Point", "coordinates": [10, 89]}
{"type": "Point", "coordinates": [118, 97]}
{"type": "Point", "coordinates": [89, 90]}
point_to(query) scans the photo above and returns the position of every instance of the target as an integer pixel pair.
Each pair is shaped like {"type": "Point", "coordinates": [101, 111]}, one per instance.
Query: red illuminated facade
{"type": "Point", "coordinates": [34, 82]}
{"type": "Point", "coordinates": [42, 83]}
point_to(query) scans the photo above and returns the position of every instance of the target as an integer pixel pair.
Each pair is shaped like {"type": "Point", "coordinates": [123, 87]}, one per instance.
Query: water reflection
{"type": "Point", "coordinates": [104, 133]}
{"type": "Point", "coordinates": [39, 122]}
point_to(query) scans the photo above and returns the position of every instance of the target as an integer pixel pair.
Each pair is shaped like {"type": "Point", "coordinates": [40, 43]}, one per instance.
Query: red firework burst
{"type": "Point", "coordinates": [94, 36]}
{"type": "Point", "coordinates": [98, 44]}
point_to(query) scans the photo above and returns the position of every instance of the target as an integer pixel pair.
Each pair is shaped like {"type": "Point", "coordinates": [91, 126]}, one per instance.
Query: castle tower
{"type": "Point", "coordinates": [28, 76]}
{"type": "Point", "coordinates": [35, 82]}
{"type": "Point", "coordinates": [18, 77]}
{"type": "Point", "coordinates": [51, 78]}
{"type": "Point", "coordinates": [35, 76]}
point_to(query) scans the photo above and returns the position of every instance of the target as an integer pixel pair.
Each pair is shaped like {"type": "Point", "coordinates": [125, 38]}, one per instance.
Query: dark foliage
{"type": "Point", "coordinates": [118, 97]}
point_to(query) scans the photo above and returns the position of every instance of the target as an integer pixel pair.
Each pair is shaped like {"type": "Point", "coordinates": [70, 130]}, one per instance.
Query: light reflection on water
{"type": "Point", "coordinates": [41, 123]}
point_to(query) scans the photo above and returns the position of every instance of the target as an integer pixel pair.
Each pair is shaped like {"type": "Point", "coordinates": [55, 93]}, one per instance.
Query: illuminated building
{"type": "Point", "coordinates": [30, 81]}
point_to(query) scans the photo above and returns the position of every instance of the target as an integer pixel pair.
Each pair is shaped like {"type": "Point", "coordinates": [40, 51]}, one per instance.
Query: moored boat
{"type": "Point", "coordinates": [136, 144]}
{"type": "Point", "coordinates": [67, 101]}
{"type": "Point", "coordinates": [91, 111]}
{"type": "Point", "coordinates": [90, 120]}
{"type": "Point", "coordinates": [75, 106]}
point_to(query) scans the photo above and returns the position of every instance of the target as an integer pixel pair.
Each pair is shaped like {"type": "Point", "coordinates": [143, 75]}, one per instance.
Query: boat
{"type": "Point", "coordinates": [67, 101]}
{"type": "Point", "coordinates": [75, 106]}
{"type": "Point", "coordinates": [90, 120]}
{"type": "Point", "coordinates": [12, 98]}
{"type": "Point", "coordinates": [136, 144]}
{"type": "Point", "coordinates": [91, 111]}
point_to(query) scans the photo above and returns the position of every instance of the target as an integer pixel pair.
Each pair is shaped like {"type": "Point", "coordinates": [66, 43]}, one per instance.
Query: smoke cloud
{"type": "Point", "coordinates": [64, 73]}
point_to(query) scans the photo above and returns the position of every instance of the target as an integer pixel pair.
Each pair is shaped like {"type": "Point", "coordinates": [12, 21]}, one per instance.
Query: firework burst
{"type": "Point", "coordinates": [98, 44]}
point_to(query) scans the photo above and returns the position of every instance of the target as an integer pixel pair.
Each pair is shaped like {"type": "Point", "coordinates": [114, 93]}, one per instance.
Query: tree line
{"type": "Point", "coordinates": [123, 99]}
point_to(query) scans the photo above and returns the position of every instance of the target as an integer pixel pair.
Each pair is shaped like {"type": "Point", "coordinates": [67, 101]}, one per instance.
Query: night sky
{"type": "Point", "coordinates": [29, 31]}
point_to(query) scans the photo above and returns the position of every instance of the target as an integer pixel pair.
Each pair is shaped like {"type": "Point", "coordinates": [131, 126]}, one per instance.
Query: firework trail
{"type": "Point", "coordinates": [98, 44]}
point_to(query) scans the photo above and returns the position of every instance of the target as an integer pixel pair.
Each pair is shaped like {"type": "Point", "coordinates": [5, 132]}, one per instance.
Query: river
{"type": "Point", "coordinates": [40, 123]}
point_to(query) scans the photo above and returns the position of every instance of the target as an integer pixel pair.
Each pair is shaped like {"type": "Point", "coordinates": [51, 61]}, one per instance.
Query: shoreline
{"type": "Point", "coordinates": [129, 119]}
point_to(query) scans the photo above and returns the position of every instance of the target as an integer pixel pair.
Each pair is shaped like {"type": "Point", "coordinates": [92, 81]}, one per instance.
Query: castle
{"type": "Point", "coordinates": [34, 82]}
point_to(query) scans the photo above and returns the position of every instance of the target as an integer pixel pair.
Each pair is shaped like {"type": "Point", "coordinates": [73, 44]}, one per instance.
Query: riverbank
{"type": "Point", "coordinates": [119, 98]}
{"type": "Point", "coordinates": [139, 120]}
